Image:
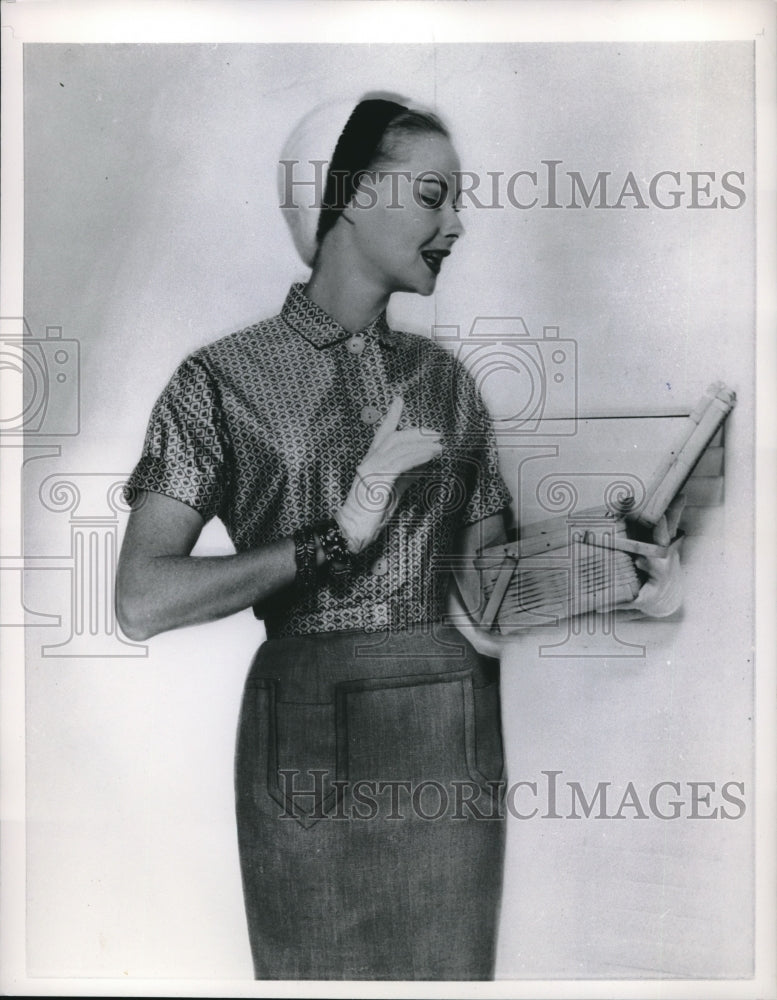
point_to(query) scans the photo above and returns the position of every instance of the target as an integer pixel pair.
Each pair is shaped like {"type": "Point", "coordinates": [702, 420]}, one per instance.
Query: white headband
{"type": "Point", "coordinates": [304, 162]}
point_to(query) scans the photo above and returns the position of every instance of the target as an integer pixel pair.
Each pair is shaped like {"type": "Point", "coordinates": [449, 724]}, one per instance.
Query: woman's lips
{"type": "Point", "coordinates": [434, 258]}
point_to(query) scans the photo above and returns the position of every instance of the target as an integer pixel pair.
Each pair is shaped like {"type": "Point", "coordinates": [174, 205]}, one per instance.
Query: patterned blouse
{"type": "Point", "coordinates": [265, 428]}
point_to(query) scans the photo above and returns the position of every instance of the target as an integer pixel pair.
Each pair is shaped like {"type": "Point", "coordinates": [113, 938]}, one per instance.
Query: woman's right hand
{"type": "Point", "coordinates": [379, 481]}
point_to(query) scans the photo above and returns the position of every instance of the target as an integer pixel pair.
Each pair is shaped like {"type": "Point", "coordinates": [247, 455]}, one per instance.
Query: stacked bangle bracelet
{"type": "Point", "coordinates": [338, 556]}
{"type": "Point", "coordinates": [305, 557]}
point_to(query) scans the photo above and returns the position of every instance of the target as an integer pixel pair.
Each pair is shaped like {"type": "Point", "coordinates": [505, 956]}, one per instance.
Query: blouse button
{"type": "Point", "coordinates": [355, 344]}
{"type": "Point", "coordinates": [380, 567]}
{"type": "Point", "coordinates": [370, 414]}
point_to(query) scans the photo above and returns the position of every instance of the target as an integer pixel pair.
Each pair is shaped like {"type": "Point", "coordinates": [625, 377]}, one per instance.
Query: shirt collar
{"type": "Point", "coordinates": [318, 327]}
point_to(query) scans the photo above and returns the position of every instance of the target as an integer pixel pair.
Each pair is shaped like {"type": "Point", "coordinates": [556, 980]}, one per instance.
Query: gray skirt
{"type": "Point", "coordinates": [369, 796]}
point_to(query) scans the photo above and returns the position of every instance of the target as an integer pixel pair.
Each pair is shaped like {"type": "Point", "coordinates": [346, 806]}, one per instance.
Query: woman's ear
{"type": "Point", "coordinates": [366, 195]}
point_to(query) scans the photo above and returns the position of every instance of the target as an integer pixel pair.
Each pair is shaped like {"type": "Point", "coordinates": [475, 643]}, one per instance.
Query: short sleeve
{"type": "Point", "coordinates": [184, 453]}
{"type": "Point", "coordinates": [488, 493]}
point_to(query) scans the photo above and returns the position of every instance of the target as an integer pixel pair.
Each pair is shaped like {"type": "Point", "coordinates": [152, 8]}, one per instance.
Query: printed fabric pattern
{"type": "Point", "coordinates": [265, 429]}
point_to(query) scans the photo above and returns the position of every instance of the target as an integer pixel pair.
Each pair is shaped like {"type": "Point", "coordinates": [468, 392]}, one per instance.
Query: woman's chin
{"type": "Point", "coordinates": [426, 285]}
{"type": "Point", "coordinates": [417, 284]}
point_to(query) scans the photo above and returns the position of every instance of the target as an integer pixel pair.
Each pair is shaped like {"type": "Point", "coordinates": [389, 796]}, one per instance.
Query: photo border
{"type": "Point", "coordinates": [402, 21]}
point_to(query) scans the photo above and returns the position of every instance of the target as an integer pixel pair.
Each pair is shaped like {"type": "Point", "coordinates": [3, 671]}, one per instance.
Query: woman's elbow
{"type": "Point", "coordinates": [133, 612]}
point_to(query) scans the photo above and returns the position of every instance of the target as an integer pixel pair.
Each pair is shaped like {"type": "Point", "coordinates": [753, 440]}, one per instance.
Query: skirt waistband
{"type": "Point", "coordinates": [309, 668]}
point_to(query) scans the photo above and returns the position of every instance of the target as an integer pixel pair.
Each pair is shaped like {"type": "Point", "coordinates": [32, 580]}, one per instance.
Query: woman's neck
{"type": "Point", "coordinates": [344, 292]}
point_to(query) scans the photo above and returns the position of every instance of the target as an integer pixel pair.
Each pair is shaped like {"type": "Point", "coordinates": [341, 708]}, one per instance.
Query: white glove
{"type": "Point", "coordinates": [662, 593]}
{"type": "Point", "coordinates": [378, 485]}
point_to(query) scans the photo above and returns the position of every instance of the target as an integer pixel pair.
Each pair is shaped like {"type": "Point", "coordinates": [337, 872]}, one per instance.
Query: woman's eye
{"type": "Point", "coordinates": [432, 199]}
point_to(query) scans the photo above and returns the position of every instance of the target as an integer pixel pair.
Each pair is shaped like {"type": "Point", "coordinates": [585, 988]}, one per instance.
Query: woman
{"type": "Point", "coordinates": [353, 466]}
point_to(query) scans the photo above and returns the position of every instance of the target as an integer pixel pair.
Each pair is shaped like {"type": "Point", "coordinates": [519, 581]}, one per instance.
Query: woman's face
{"type": "Point", "coordinates": [405, 215]}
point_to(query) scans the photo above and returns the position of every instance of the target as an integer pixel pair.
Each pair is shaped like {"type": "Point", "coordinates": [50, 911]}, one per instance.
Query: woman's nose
{"type": "Point", "coordinates": [453, 225]}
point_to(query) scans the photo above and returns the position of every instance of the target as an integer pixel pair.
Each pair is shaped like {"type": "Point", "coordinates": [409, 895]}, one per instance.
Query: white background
{"type": "Point", "coordinates": [150, 230]}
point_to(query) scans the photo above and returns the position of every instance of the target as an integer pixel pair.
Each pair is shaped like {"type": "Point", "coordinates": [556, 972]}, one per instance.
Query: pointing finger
{"type": "Point", "coordinates": [389, 423]}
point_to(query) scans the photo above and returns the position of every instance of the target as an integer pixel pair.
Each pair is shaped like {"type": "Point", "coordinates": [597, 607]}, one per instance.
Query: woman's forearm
{"type": "Point", "coordinates": [160, 585]}
{"type": "Point", "coordinates": [484, 534]}
{"type": "Point", "coordinates": [162, 592]}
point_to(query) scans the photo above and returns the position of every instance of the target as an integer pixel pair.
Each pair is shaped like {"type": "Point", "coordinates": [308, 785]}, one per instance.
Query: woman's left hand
{"type": "Point", "coordinates": [662, 593]}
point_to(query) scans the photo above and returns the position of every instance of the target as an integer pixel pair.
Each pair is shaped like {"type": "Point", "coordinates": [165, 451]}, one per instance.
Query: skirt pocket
{"type": "Point", "coordinates": [286, 755]}
{"type": "Point", "coordinates": [423, 727]}
{"type": "Point", "coordinates": [298, 760]}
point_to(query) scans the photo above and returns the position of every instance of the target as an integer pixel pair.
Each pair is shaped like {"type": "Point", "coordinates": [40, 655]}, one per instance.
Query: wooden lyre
{"type": "Point", "coordinates": [561, 567]}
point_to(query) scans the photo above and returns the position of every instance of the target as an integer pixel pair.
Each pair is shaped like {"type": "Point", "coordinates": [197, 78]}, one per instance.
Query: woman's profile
{"type": "Point", "coordinates": [355, 470]}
